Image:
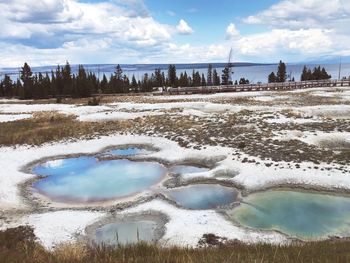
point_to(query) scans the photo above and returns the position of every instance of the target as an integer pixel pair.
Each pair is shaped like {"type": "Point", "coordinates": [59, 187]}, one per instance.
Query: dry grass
{"type": "Point", "coordinates": [335, 143]}
{"type": "Point", "coordinates": [18, 245]}
{"type": "Point", "coordinates": [51, 126]}
{"type": "Point", "coordinates": [228, 130]}
{"type": "Point", "coordinates": [70, 253]}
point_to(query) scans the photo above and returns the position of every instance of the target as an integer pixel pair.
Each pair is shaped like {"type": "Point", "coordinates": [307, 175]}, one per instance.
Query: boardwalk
{"type": "Point", "coordinates": [256, 87]}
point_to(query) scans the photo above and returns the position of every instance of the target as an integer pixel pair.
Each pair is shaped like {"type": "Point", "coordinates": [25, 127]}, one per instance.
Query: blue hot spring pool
{"type": "Point", "coordinates": [126, 232]}
{"type": "Point", "coordinates": [187, 169]}
{"type": "Point", "coordinates": [87, 179]}
{"type": "Point", "coordinates": [304, 215]}
{"type": "Point", "coordinates": [127, 151]}
{"type": "Point", "coordinates": [203, 196]}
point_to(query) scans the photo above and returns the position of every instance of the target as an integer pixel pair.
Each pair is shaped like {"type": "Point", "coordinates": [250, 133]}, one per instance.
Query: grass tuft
{"type": "Point", "coordinates": [19, 245]}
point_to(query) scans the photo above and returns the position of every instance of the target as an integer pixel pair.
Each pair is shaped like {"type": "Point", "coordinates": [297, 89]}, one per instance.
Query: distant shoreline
{"type": "Point", "coordinates": [128, 67]}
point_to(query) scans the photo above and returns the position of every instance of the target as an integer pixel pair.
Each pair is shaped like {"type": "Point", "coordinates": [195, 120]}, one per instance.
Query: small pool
{"type": "Point", "coordinates": [129, 151]}
{"type": "Point", "coordinates": [303, 215]}
{"type": "Point", "coordinates": [86, 179]}
{"type": "Point", "coordinates": [126, 232]}
{"type": "Point", "coordinates": [187, 169]}
{"type": "Point", "coordinates": [203, 196]}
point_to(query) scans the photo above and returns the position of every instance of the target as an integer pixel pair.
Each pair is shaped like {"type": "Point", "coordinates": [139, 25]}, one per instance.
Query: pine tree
{"type": "Point", "coordinates": [158, 78]}
{"type": "Point", "coordinates": [134, 83]}
{"type": "Point", "coordinates": [309, 75]}
{"type": "Point", "coordinates": [216, 78]}
{"type": "Point", "coordinates": [163, 79]}
{"type": "Point", "coordinates": [2, 90]}
{"type": "Point", "coordinates": [324, 74]}
{"type": "Point", "coordinates": [83, 85]}
{"type": "Point", "coordinates": [181, 80]}
{"type": "Point", "coordinates": [118, 72]}
{"type": "Point", "coordinates": [193, 78]}
{"type": "Point", "coordinates": [304, 74]}
{"type": "Point", "coordinates": [272, 78]}
{"type": "Point", "coordinates": [186, 80]}
{"type": "Point", "coordinates": [172, 76]}
{"type": "Point", "coordinates": [243, 81]}
{"type": "Point", "coordinates": [203, 82]}
{"type": "Point", "coordinates": [210, 75]}
{"type": "Point", "coordinates": [74, 86]}
{"type": "Point", "coordinates": [93, 83]}
{"type": "Point", "coordinates": [39, 88]}
{"type": "Point", "coordinates": [196, 79]}
{"type": "Point", "coordinates": [126, 84]}
{"type": "Point", "coordinates": [67, 80]}
{"type": "Point", "coordinates": [26, 77]}
{"type": "Point", "coordinates": [104, 84]}
{"type": "Point", "coordinates": [145, 83]}
{"type": "Point", "coordinates": [53, 91]}
{"type": "Point", "coordinates": [225, 76]}
{"type": "Point", "coordinates": [117, 83]}
{"type": "Point", "coordinates": [46, 86]}
{"type": "Point", "coordinates": [7, 87]}
{"type": "Point", "coordinates": [59, 81]}
{"type": "Point", "coordinates": [19, 89]}
{"type": "Point", "coordinates": [316, 74]}
{"type": "Point", "coordinates": [281, 72]}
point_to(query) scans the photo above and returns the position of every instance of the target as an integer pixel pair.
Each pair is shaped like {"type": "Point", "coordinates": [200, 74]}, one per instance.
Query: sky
{"type": "Point", "coordinates": [50, 32]}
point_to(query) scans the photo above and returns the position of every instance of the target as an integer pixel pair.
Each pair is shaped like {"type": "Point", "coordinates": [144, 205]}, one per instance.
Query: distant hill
{"type": "Point", "coordinates": [106, 68]}
{"type": "Point", "coordinates": [146, 66]}
{"type": "Point", "coordinates": [189, 66]}
{"type": "Point", "coordinates": [326, 60]}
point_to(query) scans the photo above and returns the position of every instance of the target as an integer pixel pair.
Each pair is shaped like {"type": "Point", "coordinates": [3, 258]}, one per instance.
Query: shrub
{"type": "Point", "coordinates": [94, 101]}
{"type": "Point", "coordinates": [241, 145]}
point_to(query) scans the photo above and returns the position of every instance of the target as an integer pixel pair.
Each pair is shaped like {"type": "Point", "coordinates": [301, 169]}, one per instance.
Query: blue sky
{"type": "Point", "coordinates": [209, 19]}
{"type": "Point", "coordinates": [44, 32]}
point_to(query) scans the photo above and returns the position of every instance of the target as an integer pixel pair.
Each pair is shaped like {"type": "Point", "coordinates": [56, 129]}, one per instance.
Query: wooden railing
{"type": "Point", "coordinates": [256, 87]}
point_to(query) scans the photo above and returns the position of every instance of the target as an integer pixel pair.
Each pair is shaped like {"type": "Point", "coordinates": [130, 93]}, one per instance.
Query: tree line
{"type": "Point", "coordinates": [63, 83]}
{"type": "Point", "coordinates": [318, 73]}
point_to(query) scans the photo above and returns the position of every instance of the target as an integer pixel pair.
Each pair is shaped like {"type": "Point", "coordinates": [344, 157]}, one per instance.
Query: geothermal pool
{"type": "Point", "coordinates": [187, 169]}
{"type": "Point", "coordinates": [203, 196]}
{"type": "Point", "coordinates": [86, 179]}
{"type": "Point", "coordinates": [303, 215]}
{"type": "Point", "coordinates": [126, 232]}
{"type": "Point", "coordinates": [308, 216]}
{"type": "Point", "coordinates": [127, 151]}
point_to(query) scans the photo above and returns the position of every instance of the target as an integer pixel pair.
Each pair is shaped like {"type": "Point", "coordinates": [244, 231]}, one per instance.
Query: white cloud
{"type": "Point", "coordinates": [284, 41]}
{"type": "Point", "coordinates": [45, 32]}
{"type": "Point", "coordinates": [187, 53]}
{"type": "Point", "coordinates": [88, 44]}
{"type": "Point", "coordinates": [296, 14]}
{"type": "Point", "coordinates": [299, 29]}
{"type": "Point", "coordinates": [40, 11]}
{"type": "Point", "coordinates": [231, 31]}
{"type": "Point", "coordinates": [183, 28]}
{"type": "Point", "coordinates": [60, 26]}
{"type": "Point", "coordinates": [86, 51]}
